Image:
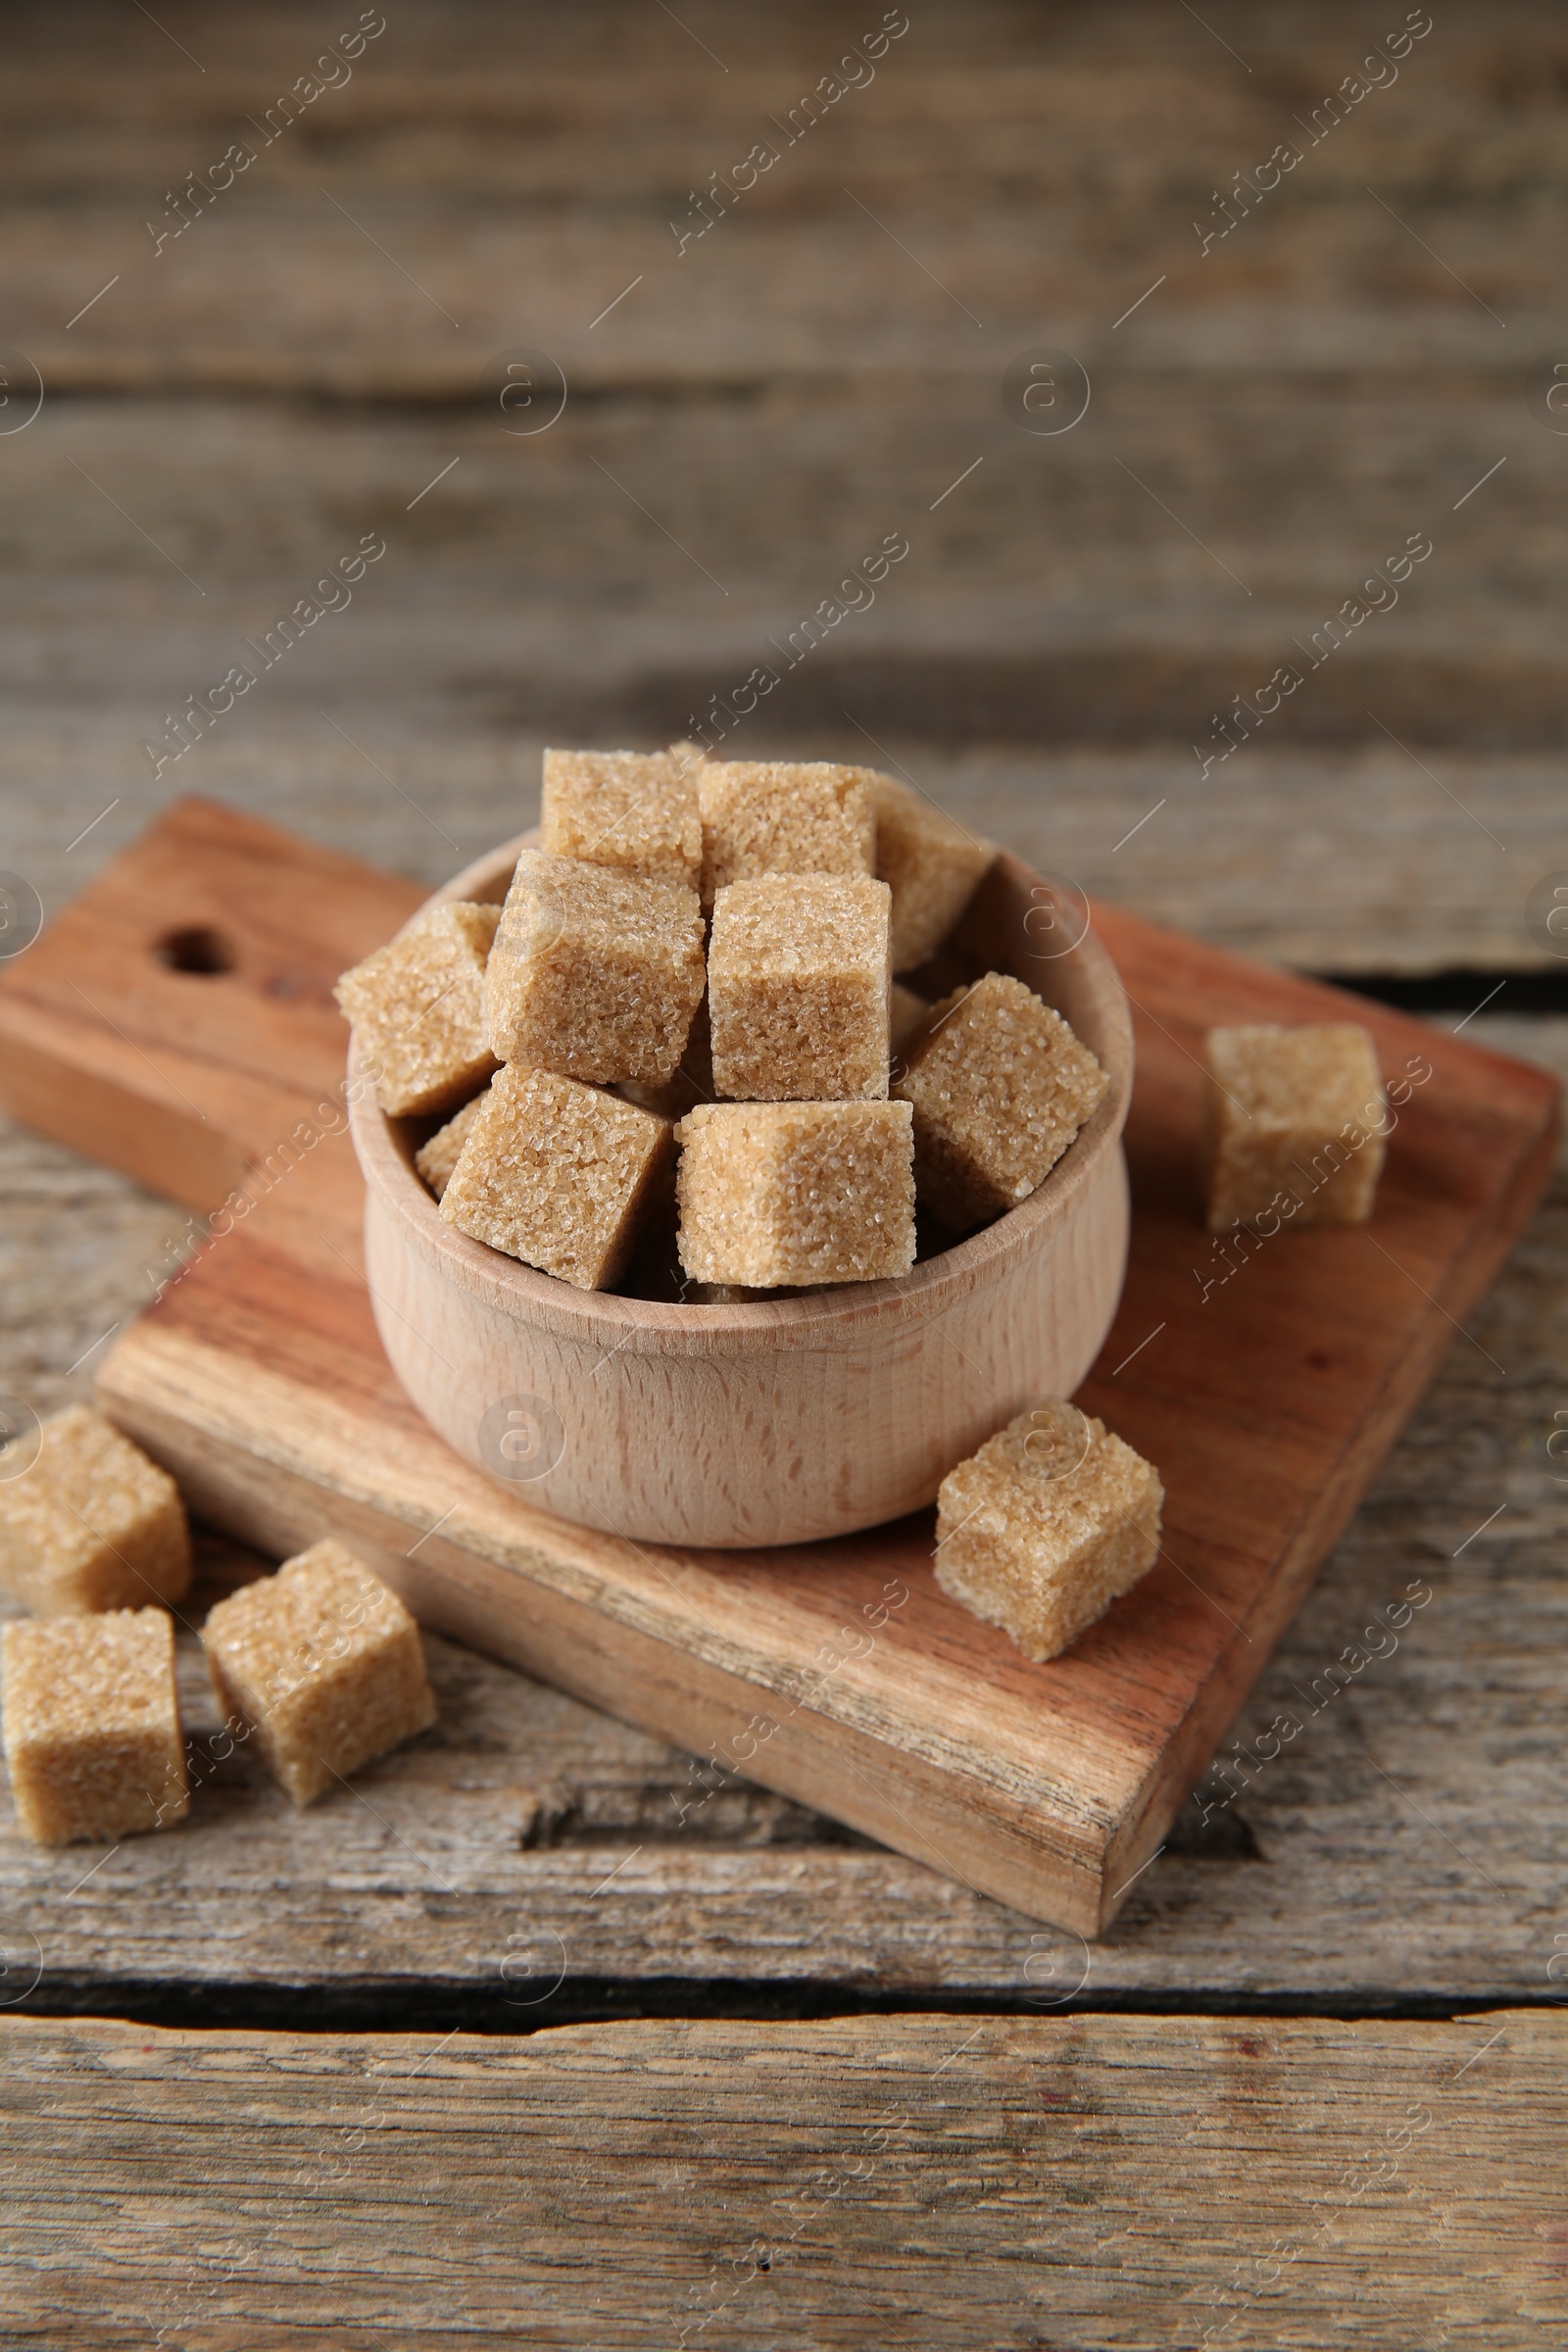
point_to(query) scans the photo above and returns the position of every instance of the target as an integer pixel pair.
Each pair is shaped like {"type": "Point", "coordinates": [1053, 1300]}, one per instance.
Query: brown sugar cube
{"type": "Point", "coordinates": [999, 1087]}
{"type": "Point", "coordinates": [595, 975]}
{"type": "Point", "coordinates": [690, 1084]}
{"type": "Point", "coordinates": [417, 1010]}
{"type": "Point", "coordinates": [931, 865]}
{"type": "Point", "coordinates": [325, 1665]}
{"type": "Point", "coordinates": [436, 1159]}
{"type": "Point", "coordinates": [796, 1192]}
{"type": "Point", "coordinates": [784, 817]}
{"type": "Point", "coordinates": [1293, 1115]}
{"type": "Point", "coordinates": [92, 1525]}
{"type": "Point", "coordinates": [798, 989]}
{"type": "Point", "coordinates": [624, 809]}
{"type": "Point", "coordinates": [1042, 1529]}
{"type": "Point", "coordinates": [558, 1174]}
{"type": "Point", "coordinates": [91, 1726]}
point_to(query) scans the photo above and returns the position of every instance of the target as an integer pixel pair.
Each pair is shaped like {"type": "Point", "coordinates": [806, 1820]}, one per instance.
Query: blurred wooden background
{"type": "Point", "coordinates": [1272, 421]}
{"type": "Point", "coordinates": [1366, 357]}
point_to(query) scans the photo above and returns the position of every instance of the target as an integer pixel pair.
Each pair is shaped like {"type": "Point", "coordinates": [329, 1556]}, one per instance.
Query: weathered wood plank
{"type": "Point", "coordinates": [1404, 1848]}
{"type": "Point", "coordinates": [262, 1385]}
{"type": "Point", "coordinates": [1313, 376]}
{"type": "Point", "coordinates": [1332, 861]}
{"type": "Point", "coordinates": [1286, 407]}
{"type": "Point", "coordinates": [1137, 2182]}
{"type": "Point", "coordinates": [1048, 597]}
{"type": "Point", "coordinates": [594, 129]}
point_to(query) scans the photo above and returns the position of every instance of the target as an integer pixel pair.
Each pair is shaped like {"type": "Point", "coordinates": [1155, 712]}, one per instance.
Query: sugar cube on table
{"type": "Point", "coordinates": [1294, 1123]}
{"type": "Point", "coordinates": [92, 1727]}
{"type": "Point", "coordinates": [796, 1192]}
{"type": "Point", "coordinates": [999, 1087]}
{"type": "Point", "coordinates": [436, 1159]}
{"type": "Point", "coordinates": [558, 1174]}
{"type": "Point", "coordinates": [931, 863]}
{"type": "Point", "coordinates": [323, 1664]}
{"type": "Point", "coordinates": [633, 809]}
{"type": "Point", "coordinates": [595, 973]}
{"type": "Point", "coordinates": [784, 817]}
{"type": "Point", "coordinates": [416, 1006]}
{"type": "Point", "coordinates": [92, 1524]}
{"type": "Point", "coordinates": [1042, 1529]}
{"type": "Point", "coordinates": [798, 989]}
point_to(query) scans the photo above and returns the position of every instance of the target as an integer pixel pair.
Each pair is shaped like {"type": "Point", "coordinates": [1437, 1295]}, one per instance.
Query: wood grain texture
{"type": "Point", "coordinates": [1318, 382]}
{"type": "Point", "coordinates": [1289, 2185]}
{"type": "Point", "coordinates": [1298, 400]}
{"type": "Point", "coordinates": [1337, 861]}
{"type": "Point", "coordinates": [258, 1381]}
{"type": "Point", "coordinates": [189, 993]}
{"type": "Point", "coordinates": [1402, 1855]}
{"type": "Point", "coordinates": [1315, 1881]}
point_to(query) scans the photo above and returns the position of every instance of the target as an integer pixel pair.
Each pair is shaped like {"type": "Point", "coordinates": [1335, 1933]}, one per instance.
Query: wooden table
{"type": "Point", "coordinates": [542, 2034]}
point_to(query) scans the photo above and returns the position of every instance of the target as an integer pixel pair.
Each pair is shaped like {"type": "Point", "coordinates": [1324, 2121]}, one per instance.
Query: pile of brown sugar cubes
{"type": "Point", "coordinates": [320, 1663]}
{"type": "Point", "coordinates": [667, 1062]}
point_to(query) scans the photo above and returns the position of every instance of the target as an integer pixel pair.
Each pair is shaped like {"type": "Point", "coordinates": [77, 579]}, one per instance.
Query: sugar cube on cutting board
{"type": "Point", "coordinates": [91, 1726]}
{"type": "Point", "coordinates": [999, 1087]}
{"type": "Point", "coordinates": [558, 1174]}
{"type": "Point", "coordinates": [324, 1663]}
{"type": "Point", "coordinates": [92, 1525]}
{"type": "Point", "coordinates": [595, 973]}
{"type": "Point", "coordinates": [1293, 1122]}
{"type": "Point", "coordinates": [796, 1192]}
{"type": "Point", "coordinates": [1042, 1529]}
{"type": "Point", "coordinates": [417, 1010]}
{"type": "Point", "coordinates": [798, 989]}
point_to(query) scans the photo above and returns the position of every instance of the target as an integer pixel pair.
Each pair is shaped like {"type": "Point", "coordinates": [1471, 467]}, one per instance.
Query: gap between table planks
{"type": "Point", "coordinates": [838, 1674]}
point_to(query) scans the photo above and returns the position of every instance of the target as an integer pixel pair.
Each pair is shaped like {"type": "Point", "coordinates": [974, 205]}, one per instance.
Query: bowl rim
{"type": "Point", "coordinates": [845, 1313]}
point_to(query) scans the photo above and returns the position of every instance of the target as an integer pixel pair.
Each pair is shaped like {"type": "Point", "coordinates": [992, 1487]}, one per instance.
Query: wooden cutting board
{"type": "Point", "coordinates": [176, 1022]}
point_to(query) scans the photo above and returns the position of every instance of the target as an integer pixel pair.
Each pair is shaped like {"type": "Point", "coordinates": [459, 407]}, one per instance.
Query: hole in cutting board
{"type": "Point", "coordinates": [196, 948]}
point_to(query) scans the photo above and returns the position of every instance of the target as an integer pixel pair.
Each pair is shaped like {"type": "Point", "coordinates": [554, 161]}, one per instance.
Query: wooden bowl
{"type": "Point", "coordinates": [788, 1419]}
